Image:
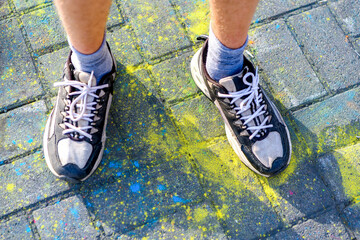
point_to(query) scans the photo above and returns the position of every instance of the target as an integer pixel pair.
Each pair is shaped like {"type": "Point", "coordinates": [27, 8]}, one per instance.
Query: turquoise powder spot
{"type": "Point", "coordinates": [136, 164]}
{"type": "Point", "coordinates": [135, 187]}
{"type": "Point", "coordinates": [178, 199]}
{"type": "Point", "coordinates": [74, 212]}
{"type": "Point", "coordinates": [161, 187]}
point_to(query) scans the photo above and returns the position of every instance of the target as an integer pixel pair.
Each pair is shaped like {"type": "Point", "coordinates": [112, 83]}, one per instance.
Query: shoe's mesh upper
{"type": "Point", "coordinates": [267, 149]}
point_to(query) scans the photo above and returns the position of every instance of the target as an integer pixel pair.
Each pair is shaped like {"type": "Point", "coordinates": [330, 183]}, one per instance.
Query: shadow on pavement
{"type": "Point", "coordinates": [154, 183]}
{"type": "Point", "coordinates": [148, 173]}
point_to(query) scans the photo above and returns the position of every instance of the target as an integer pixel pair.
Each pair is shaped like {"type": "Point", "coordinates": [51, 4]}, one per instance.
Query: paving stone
{"type": "Point", "coordinates": [284, 64]}
{"type": "Point", "coordinates": [156, 26]}
{"type": "Point", "coordinates": [16, 228]}
{"type": "Point", "coordinates": [241, 204]}
{"type": "Point", "coordinates": [52, 65]}
{"type": "Point", "coordinates": [357, 45]}
{"type": "Point", "coordinates": [43, 27]}
{"type": "Point", "coordinates": [300, 194]}
{"type": "Point", "coordinates": [326, 226]}
{"type": "Point", "coordinates": [174, 77]}
{"type": "Point", "coordinates": [115, 163]}
{"type": "Point", "coordinates": [341, 172]}
{"type": "Point", "coordinates": [348, 14]}
{"type": "Point", "coordinates": [27, 181]}
{"type": "Point", "coordinates": [17, 73]}
{"type": "Point", "coordinates": [272, 8]}
{"type": "Point", "coordinates": [124, 47]}
{"type": "Point", "coordinates": [115, 17]}
{"type": "Point", "coordinates": [332, 123]}
{"type": "Point", "coordinates": [299, 190]}
{"type": "Point", "coordinates": [193, 222]}
{"type": "Point", "coordinates": [191, 11]}
{"type": "Point", "coordinates": [198, 119]}
{"type": "Point", "coordinates": [21, 129]}
{"type": "Point", "coordinates": [325, 45]}
{"type": "Point", "coordinates": [67, 219]}
{"type": "Point", "coordinates": [4, 8]}
{"type": "Point", "coordinates": [352, 214]}
{"type": "Point", "coordinates": [143, 196]}
{"type": "Point", "coordinates": [23, 5]}
{"type": "Point", "coordinates": [143, 124]}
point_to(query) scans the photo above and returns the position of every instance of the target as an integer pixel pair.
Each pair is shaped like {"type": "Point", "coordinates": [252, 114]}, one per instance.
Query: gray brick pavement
{"type": "Point", "coordinates": [21, 129]}
{"type": "Point", "coordinates": [16, 228]}
{"type": "Point", "coordinates": [326, 226]}
{"type": "Point", "coordinates": [197, 222]}
{"type": "Point", "coordinates": [67, 219]}
{"type": "Point", "coordinates": [155, 26]}
{"type": "Point", "coordinates": [341, 172]}
{"type": "Point", "coordinates": [352, 214]}
{"type": "Point", "coordinates": [284, 65]}
{"type": "Point", "coordinates": [325, 45]}
{"type": "Point", "coordinates": [168, 170]}
{"type": "Point", "coordinates": [26, 182]}
{"type": "Point", "coordinates": [19, 81]}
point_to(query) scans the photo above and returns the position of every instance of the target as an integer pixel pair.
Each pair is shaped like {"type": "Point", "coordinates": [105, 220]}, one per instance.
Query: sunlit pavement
{"type": "Point", "coordinates": [168, 171]}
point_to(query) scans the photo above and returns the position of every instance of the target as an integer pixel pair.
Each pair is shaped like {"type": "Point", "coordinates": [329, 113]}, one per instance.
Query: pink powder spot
{"type": "Point", "coordinates": [291, 192]}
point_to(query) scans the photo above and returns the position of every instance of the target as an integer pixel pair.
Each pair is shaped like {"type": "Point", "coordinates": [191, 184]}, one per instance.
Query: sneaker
{"type": "Point", "coordinates": [253, 124]}
{"type": "Point", "coordinates": [74, 136]}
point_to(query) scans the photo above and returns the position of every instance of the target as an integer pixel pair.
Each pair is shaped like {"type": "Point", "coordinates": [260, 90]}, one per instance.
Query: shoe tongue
{"type": "Point", "coordinates": [84, 77]}
{"type": "Point", "coordinates": [234, 83]}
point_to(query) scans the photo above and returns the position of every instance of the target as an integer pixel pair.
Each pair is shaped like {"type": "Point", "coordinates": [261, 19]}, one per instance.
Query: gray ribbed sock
{"type": "Point", "coordinates": [100, 61]}
{"type": "Point", "coordinates": [222, 61]}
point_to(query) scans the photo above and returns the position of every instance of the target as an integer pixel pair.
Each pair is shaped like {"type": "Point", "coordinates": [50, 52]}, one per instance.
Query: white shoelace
{"type": "Point", "coordinates": [80, 102]}
{"type": "Point", "coordinates": [253, 95]}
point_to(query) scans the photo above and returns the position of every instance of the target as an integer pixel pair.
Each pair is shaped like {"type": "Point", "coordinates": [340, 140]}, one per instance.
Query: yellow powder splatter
{"type": "Point", "coordinates": [10, 187]}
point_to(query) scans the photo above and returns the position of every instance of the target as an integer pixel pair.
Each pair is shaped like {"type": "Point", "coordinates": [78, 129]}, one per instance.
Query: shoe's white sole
{"type": "Point", "coordinates": [199, 81]}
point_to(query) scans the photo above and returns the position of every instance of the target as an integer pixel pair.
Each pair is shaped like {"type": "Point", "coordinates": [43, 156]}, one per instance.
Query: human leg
{"type": "Point", "coordinates": [74, 135]}
{"type": "Point", "coordinates": [230, 22]}
{"type": "Point", "coordinates": [85, 23]}
{"type": "Point", "coordinates": [254, 127]}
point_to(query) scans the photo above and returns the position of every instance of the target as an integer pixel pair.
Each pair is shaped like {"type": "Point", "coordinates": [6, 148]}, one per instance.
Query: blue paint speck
{"type": "Point", "coordinates": [161, 187]}
{"type": "Point", "coordinates": [135, 187]}
{"type": "Point", "coordinates": [28, 229]}
{"type": "Point", "coordinates": [74, 212]}
{"type": "Point", "coordinates": [136, 164]}
{"type": "Point", "coordinates": [178, 199]}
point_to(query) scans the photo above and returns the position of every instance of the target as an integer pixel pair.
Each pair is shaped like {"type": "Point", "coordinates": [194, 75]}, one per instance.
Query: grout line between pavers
{"type": "Point", "coordinates": [305, 54]}
{"type": "Point", "coordinates": [300, 221]}
{"type": "Point", "coordinates": [40, 204]}
{"type": "Point", "coordinates": [343, 31]}
{"type": "Point", "coordinates": [182, 23]}
{"type": "Point", "coordinates": [19, 156]}
{"type": "Point", "coordinates": [324, 98]}
{"type": "Point", "coordinates": [30, 51]}
{"type": "Point", "coordinates": [31, 221]}
{"type": "Point", "coordinates": [196, 170]}
{"type": "Point", "coordinates": [287, 14]}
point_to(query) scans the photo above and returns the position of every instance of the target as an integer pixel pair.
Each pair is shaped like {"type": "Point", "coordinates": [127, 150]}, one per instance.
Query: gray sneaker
{"type": "Point", "coordinates": [74, 136]}
{"type": "Point", "coordinates": [253, 124]}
